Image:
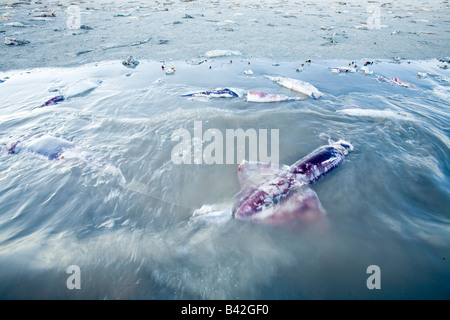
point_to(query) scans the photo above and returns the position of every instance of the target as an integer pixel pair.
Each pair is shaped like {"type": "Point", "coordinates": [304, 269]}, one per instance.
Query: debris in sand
{"type": "Point", "coordinates": [196, 61]}
{"type": "Point", "coordinates": [77, 88]}
{"type": "Point", "coordinates": [79, 53]}
{"type": "Point", "coordinates": [17, 25]}
{"type": "Point", "coordinates": [130, 62]}
{"type": "Point", "coordinates": [46, 13]}
{"type": "Point", "coordinates": [221, 53]}
{"type": "Point", "coordinates": [122, 15]}
{"type": "Point", "coordinates": [15, 42]}
{"type": "Point", "coordinates": [53, 101]}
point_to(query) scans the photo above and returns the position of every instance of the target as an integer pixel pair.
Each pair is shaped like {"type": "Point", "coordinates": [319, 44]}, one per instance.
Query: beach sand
{"type": "Point", "coordinates": [70, 33]}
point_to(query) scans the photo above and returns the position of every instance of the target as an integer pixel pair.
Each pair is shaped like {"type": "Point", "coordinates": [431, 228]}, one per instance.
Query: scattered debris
{"type": "Point", "coordinates": [79, 53]}
{"type": "Point", "coordinates": [258, 96]}
{"type": "Point", "coordinates": [53, 101]}
{"type": "Point", "coordinates": [351, 68]}
{"type": "Point", "coordinates": [221, 53]}
{"type": "Point", "coordinates": [46, 13]}
{"type": "Point", "coordinates": [138, 43]}
{"type": "Point", "coordinates": [74, 89]}
{"type": "Point", "coordinates": [15, 42]}
{"type": "Point", "coordinates": [122, 15]}
{"type": "Point", "coordinates": [362, 26]}
{"type": "Point", "coordinates": [170, 71]}
{"type": "Point", "coordinates": [365, 70]}
{"type": "Point", "coordinates": [130, 62]}
{"type": "Point", "coordinates": [343, 70]}
{"type": "Point", "coordinates": [438, 77]}
{"type": "Point", "coordinates": [422, 74]}
{"type": "Point", "coordinates": [39, 19]}
{"type": "Point", "coordinates": [17, 25]}
{"type": "Point", "coordinates": [397, 81]}
{"type": "Point", "coordinates": [216, 93]}
{"type": "Point", "coordinates": [196, 61]}
{"type": "Point", "coordinates": [297, 85]}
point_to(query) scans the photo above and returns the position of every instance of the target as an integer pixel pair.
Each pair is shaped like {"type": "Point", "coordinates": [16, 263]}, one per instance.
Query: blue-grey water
{"type": "Point", "coordinates": [387, 205]}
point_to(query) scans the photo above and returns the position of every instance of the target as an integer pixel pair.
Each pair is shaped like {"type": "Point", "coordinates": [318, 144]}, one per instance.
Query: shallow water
{"type": "Point", "coordinates": [387, 205]}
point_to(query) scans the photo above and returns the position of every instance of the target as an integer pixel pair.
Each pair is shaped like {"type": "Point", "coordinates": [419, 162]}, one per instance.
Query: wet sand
{"type": "Point", "coordinates": [184, 30]}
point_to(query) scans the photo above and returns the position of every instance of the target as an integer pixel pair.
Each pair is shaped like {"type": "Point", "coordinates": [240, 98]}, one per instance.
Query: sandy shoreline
{"type": "Point", "coordinates": [183, 30]}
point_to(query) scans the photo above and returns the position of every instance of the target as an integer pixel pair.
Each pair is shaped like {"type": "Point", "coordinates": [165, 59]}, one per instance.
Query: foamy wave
{"type": "Point", "coordinates": [379, 114]}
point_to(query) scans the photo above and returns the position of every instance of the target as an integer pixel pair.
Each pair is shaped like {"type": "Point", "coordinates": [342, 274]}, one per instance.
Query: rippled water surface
{"type": "Point", "coordinates": [387, 205]}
